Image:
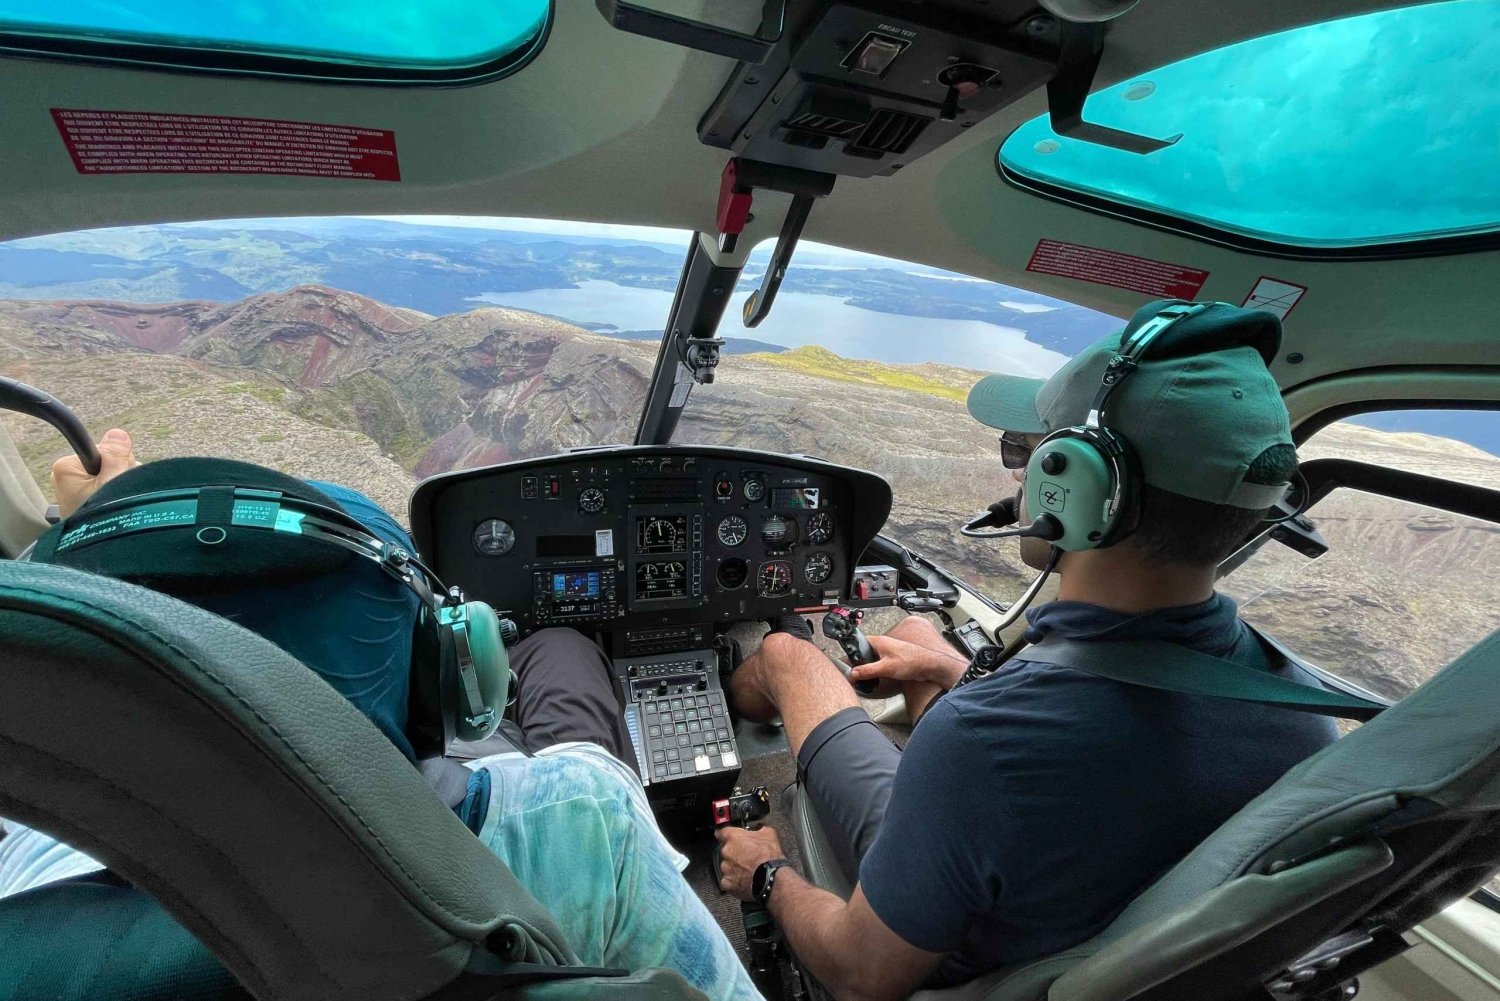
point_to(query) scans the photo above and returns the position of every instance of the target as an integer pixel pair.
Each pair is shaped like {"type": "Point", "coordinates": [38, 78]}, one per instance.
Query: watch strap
{"type": "Point", "coordinates": [764, 878]}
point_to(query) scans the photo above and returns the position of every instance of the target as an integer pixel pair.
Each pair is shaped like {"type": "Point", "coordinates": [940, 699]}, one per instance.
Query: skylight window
{"type": "Point", "coordinates": [1377, 129]}
{"type": "Point", "coordinates": [384, 40]}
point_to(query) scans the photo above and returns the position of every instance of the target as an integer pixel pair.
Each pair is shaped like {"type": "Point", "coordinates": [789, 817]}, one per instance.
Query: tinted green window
{"type": "Point", "coordinates": [1372, 129]}
{"type": "Point", "coordinates": [405, 35]}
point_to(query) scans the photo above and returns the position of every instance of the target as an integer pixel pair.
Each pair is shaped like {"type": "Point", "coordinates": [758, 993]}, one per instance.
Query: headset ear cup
{"type": "Point", "coordinates": [491, 666]}
{"type": "Point", "coordinates": [432, 705]}
{"type": "Point", "coordinates": [1071, 477]}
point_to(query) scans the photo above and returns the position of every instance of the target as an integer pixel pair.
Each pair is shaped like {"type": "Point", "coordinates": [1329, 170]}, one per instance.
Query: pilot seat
{"type": "Point", "coordinates": [1313, 882]}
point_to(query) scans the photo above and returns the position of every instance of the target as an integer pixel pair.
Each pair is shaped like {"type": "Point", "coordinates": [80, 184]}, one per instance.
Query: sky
{"type": "Point", "coordinates": [647, 234]}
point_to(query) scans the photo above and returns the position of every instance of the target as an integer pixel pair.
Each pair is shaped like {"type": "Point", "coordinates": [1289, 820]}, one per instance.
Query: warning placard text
{"type": "Point", "coordinates": [1110, 267]}
{"type": "Point", "coordinates": [138, 142]}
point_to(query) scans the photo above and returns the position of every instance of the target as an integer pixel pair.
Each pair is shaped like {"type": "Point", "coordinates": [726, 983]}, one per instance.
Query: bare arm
{"type": "Point", "coordinates": [846, 946]}
{"type": "Point", "coordinates": [915, 654]}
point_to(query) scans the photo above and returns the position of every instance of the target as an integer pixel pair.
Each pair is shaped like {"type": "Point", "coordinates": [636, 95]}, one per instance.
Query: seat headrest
{"type": "Point", "coordinates": [220, 775]}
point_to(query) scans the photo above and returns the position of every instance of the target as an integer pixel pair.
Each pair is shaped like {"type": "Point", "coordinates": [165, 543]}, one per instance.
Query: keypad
{"type": "Point", "coordinates": [688, 734]}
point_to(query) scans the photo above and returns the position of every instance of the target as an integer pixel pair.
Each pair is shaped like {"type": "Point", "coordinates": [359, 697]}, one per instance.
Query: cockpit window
{"type": "Point", "coordinates": [1368, 130]}
{"type": "Point", "coordinates": [388, 40]}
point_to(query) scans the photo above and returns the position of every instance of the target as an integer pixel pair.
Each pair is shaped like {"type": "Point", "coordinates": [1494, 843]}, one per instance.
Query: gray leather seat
{"type": "Point", "coordinates": [262, 811]}
{"type": "Point", "coordinates": [1312, 882]}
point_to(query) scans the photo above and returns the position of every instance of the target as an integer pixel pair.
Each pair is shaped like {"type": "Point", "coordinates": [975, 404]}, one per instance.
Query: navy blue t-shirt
{"type": "Point", "coordinates": [1031, 806]}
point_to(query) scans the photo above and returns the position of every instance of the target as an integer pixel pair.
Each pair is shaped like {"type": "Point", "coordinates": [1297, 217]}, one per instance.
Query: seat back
{"type": "Point", "coordinates": [1318, 877]}
{"type": "Point", "coordinates": [272, 820]}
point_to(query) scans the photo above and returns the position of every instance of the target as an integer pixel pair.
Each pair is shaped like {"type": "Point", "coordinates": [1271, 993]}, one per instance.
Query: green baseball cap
{"type": "Point", "coordinates": [1198, 411]}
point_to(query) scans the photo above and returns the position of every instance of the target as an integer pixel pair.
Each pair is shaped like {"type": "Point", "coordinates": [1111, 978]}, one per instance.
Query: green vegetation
{"type": "Point", "coordinates": [824, 364]}
{"type": "Point", "coordinates": [370, 403]}
{"type": "Point", "coordinates": [261, 391]}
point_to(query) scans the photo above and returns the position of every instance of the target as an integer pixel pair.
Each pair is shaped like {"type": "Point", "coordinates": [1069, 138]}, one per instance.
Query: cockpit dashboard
{"type": "Point", "coordinates": [636, 540]}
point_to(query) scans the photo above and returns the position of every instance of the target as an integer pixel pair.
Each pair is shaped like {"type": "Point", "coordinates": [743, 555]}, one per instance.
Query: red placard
{"type": "Point", "coordinates": [1110, 267]}
{"type": "Point", "coordinates": [139, 142]}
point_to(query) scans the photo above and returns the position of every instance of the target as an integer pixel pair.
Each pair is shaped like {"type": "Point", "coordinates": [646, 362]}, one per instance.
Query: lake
{"type": "Point", "coordinates": [801, 318]}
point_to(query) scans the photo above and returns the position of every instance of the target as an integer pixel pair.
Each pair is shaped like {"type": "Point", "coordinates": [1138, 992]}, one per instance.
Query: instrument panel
{"type": "Point", "coordinates": [638, 538]}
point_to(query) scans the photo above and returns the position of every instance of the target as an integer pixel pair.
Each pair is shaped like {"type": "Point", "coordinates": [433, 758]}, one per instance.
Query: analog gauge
{"type": "Point", "coordinates": [820, 528]}
{"type": "Point", "coordinates": [818, 568]}
{"type": "Point", "coordinates": [775, 579]}
{"type": "Point", "coordinates": [660, 535]}
{"type": "Point", "coordinates": [732, 573]}
{"type": "Point", "coordinates": [778, 532]}
{"type": "Point", "coordinates": [494, 537]}
{"type": "Point", "coordinates": [591, 501]}
{"type": "Point", "coordinates": [673, 570]}
{"type": "Point", "coordinates": [755, 488]}
{"type": "Point", "coordinates": [733, 530]}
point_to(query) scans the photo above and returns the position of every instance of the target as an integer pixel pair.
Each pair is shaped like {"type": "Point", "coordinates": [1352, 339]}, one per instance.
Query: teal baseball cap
{"type": "Point", "coordinates": [1198, 411]}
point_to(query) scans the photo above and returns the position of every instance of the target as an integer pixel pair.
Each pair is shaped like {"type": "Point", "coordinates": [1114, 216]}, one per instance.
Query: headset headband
{"type": "Point", "coordinates": [1133, 350]}
{"type": "Point", "coordinates": [254, 508]}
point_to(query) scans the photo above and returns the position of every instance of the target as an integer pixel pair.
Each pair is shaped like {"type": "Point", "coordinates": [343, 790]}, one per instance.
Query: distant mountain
{"type": "Point", "coordinates": [441, 269]}
{"type": "Point", "coordinates": [327, 384]}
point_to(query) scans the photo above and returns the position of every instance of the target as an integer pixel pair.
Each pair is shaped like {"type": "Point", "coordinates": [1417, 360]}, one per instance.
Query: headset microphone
{"type": "Point", "coordinates": [992, 524]}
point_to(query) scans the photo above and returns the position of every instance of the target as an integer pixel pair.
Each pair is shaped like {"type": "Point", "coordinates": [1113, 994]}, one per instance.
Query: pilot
{"type": "Point", "coordinates": [1030, 806]}
{"type": "Point", "coordinates": [571, 822]}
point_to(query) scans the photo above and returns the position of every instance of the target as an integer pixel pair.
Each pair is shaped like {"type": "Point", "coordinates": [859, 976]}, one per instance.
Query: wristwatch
{"type": "Point", "coordinates": [765, 878]}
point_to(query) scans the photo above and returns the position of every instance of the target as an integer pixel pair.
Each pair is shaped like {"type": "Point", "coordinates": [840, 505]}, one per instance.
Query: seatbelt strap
{"type": "Point", "coordinates": [1173, 668]}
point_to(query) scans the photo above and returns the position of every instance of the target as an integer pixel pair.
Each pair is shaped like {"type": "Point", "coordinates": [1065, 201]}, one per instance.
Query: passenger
{"type": "Point", "coordinates": [572, 823]}
{"type": "Point", "coordinates": [1029, 807]}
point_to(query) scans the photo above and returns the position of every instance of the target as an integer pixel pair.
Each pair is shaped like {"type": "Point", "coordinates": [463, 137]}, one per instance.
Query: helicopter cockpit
{"type": "Point", "coordinates": [654, 322]}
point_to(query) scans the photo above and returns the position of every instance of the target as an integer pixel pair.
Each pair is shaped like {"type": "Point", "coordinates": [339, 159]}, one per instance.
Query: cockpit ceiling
{"type": "Point", "coordinates": [602, 127]}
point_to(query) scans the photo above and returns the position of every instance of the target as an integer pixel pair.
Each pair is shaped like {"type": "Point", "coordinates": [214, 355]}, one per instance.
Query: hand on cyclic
{"type": "Point", "coordinates": [903, 661]}
{"type": "Point", "coordinates": [71, 483]}
{"type": "Point", "coordinates": [740, 853]}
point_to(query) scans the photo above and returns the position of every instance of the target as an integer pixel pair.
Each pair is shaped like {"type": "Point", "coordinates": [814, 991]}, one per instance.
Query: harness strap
{"type": "Point", "coordinates": [1173, 668]}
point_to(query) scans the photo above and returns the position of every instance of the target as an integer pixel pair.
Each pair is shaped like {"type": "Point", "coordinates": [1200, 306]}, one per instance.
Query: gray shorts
{"type": "Point", "coordinates": [847, 766]}
{"type": "Point", "coordinates": [565, 692]}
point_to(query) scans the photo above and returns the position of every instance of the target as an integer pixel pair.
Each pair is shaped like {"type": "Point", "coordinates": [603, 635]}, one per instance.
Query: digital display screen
{"type": "Point", "coordinates": [575, 586]}
{"type": "Point", "coordinates": [661, 534]}
{"type": "Point", "coordinates": [795, 498]}
{"type": "Point", "coordinates": [660, 580]}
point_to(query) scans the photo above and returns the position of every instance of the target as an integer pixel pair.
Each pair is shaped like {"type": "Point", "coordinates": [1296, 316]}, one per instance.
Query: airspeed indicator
{"type": "Point", "coordinates": [732, 531]}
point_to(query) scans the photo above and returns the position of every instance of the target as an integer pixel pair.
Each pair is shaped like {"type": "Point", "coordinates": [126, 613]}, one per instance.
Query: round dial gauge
{"type": "Point", "coordinates": [778, 532]}
{"type": "Point", "coordinates": [775, 579]}
{"type": "Point", "coordinates": [493, 537]}
{"type": "Point", "coordinates": [661, 534]}
{"type": "Point", "coordinates": [818, 568]}
{"type": "Point", "coordinates": [733, 530]}
{"type": "Point", "coordinates": [755, 488]}
{"type": "Point", "coordinates": [591, 501]}
{"type": "Point", "coordinates": [732, 573]}
{"type": "Point", "coordinates": [820, 528]}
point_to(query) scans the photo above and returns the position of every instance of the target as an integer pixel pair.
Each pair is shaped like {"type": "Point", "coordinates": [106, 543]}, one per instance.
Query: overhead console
{"type": "Point", "coordinates": [634, 540]}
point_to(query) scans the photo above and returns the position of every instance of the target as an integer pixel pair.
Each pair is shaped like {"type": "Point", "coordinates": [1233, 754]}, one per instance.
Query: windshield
{"type": "Point", "coordinates": [368, 352]}
{"type": "Point", "coordinates": [374, 352]}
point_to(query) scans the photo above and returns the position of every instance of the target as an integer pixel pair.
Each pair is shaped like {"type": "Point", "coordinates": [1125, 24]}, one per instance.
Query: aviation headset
{"type": "Point", "coordinates": [1083, 483]}
{"type": "Point", "coordinates": [460, 672]}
